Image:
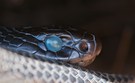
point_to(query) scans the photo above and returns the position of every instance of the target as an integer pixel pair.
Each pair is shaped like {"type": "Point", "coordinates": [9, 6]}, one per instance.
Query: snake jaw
{"type": "Point", "coordinates": [88, 58]}
{"type": "Point", "coordinates": [85, 61]}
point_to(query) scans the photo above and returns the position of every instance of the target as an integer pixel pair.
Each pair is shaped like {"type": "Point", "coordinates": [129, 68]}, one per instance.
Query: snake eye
{"type": "Point", "coordinates": [53, 43]}
{"type": "Point", "coordinates": [83, 46]}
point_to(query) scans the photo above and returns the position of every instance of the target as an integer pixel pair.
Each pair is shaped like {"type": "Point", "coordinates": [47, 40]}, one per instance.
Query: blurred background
{"type": "Point", "coordinates": [113, 21]}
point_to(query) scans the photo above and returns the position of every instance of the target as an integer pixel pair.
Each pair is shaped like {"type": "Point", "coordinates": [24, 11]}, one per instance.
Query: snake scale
{"type": "Point", "coordinates": [21, 61]}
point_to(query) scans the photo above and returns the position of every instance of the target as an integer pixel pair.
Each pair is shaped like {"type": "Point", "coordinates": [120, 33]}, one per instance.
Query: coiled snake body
{"type": "Point", "coordinates": [30, 56]}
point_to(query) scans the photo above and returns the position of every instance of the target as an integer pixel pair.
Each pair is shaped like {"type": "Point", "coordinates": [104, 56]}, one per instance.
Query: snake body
{"type": "Point", "coordinates": [41, 70]}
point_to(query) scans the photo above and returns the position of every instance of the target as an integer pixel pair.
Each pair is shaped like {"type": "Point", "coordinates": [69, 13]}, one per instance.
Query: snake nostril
{"type": "Point", "coordinates": [83, 46]}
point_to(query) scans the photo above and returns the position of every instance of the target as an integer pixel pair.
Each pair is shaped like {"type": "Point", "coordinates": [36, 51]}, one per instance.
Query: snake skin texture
{"type": "Point", "coordinates": [21, 69]}
{"type": "Point", "coordinates": [34, 71]}
{"type": "Point", "coordinates": [76, 48]}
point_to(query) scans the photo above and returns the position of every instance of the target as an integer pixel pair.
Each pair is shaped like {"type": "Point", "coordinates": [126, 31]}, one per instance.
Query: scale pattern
{"type": "Point", "coordinates": [28, 70]}
{"type": "Point", "coordinates": [31, 70]}
{"type": "Point", "coordinates": [33, 44]}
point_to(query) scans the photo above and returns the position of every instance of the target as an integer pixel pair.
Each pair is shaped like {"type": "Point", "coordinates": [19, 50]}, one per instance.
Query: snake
{"type": "Point", "coordinates": [51, 54]}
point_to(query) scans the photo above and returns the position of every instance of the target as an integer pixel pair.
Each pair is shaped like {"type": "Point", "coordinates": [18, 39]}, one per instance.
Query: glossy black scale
{"type": "Point", "coordinates": [31, 41]}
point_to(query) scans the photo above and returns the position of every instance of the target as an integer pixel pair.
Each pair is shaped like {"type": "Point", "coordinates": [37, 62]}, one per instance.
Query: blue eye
{"type": "Point", "coordinates": [53, 43]}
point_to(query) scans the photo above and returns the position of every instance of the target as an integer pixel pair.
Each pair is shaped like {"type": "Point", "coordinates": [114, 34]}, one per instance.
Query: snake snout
{"type": "Point", "coordinates": [91, 49]}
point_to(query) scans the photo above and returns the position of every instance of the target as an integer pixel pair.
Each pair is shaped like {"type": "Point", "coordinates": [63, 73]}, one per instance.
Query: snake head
{"type": "Point", "coordinates": [68, 45]}
{"type": "Point", "coordinates": [71, 46]}
{"type": "Point", "coordinates": [88, 47]}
